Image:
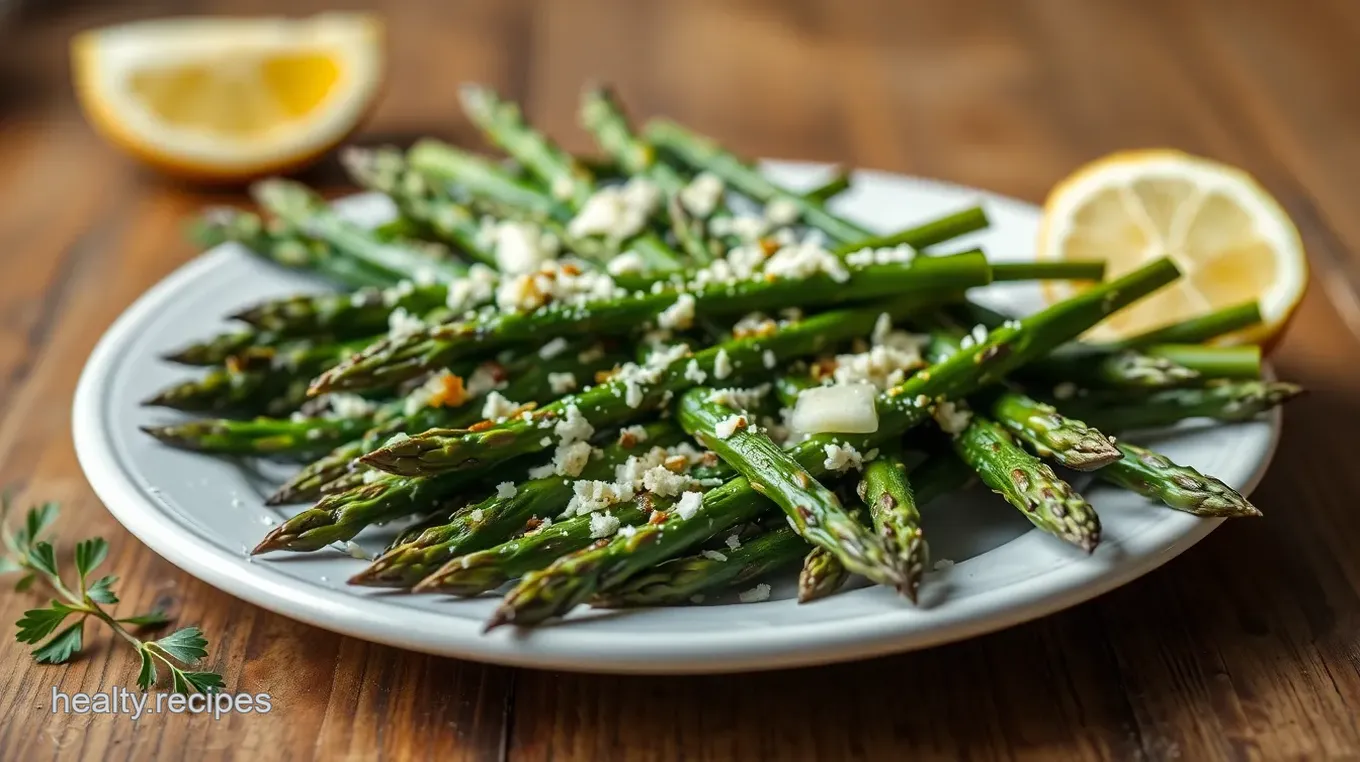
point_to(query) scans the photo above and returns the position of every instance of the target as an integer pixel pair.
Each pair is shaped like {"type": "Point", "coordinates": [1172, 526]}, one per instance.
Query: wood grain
{"type": "Point", "coordinates": [1246, 647]}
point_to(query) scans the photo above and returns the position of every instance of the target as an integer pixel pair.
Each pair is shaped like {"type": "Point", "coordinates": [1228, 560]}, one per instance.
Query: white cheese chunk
{"type": "Point", "coordinates": [840, 409]}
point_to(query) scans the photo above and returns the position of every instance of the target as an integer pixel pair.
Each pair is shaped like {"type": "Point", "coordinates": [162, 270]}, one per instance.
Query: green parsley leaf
{"type": "Point", "coordinates": [61, 648]}
{"type": "Point", "coordinates": [147, 676]}
{"type": "Point", "coordinates": [90, 554]}
{"type": "Point", "coordinates": [43, 558]}
{"type": "Point", "coordinates": [38, 519]}
{"type": "Point", "coordinates": [187, 644]}
{"type": "Point", "coordinates": [100, 591]}
{"type": "Point", "coordinates": [205, 682]}
{"type": "Point", "coordinates": [37, 624]}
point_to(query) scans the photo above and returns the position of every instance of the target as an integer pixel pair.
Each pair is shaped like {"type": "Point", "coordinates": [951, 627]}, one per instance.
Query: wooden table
{"type": "Point", "coordinates": [1247, 646]}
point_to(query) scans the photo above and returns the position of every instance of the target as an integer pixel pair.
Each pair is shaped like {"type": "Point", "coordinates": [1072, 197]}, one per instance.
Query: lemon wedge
{"type": "Point", "coordinates": [1232, 241]}
{"type": "Point", "coordinates": [229, 98]}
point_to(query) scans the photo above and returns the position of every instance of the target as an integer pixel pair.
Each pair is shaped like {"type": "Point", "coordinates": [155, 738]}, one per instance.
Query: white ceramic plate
{"type": "Point", "coordinates": [203, 513]}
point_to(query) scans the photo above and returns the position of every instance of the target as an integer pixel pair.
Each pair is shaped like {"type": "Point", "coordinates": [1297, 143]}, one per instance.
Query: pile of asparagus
{"type": "Point", "coordinates": [601, 378]}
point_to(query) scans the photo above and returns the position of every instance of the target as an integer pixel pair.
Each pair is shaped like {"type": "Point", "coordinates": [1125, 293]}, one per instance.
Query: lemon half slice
{"type": "Point", "coordinates": [229, 98]}
{"type": "Point", "coordinates": [1232, 240]}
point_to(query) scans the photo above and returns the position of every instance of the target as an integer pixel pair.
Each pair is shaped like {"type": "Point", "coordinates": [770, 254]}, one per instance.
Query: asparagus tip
{"type": "Point", "coordinates": [275, 540]}
{"type": "Point", "coordinates": [501, 616]}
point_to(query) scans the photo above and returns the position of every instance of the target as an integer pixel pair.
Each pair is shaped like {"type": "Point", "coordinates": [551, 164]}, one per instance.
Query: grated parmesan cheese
{"type": "Point", "coordinates": [561, 383]}
{"type": "Point", "coordinates": [506, 490]}
{"type": "Point", "coordinates": [603, 525]}
{"type": "Point", "coordinates": [701, 195]}
{"type": "Point", "coordinates": [756, 594]}
{"type": "Point", "coordinates": [842, 457]}
{"type": "Point", "coordinates": [729, 426]}
{"type": "Point", "coordinates": [952, 417]}
{"type": "Point", "coordinates": [688, 505]}
{"type": "Point", "coordinates": [679, 316]}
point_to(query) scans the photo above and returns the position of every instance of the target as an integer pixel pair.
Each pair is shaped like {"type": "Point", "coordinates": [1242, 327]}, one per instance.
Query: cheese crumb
{"type": "Point", "coordinates": [473, 290]}
{"type": "Point", "coordinates": [506, 490]}
{"type": "Point", "coordinates": [603, 525]}
{"type": "Point", "coordinates": [694, 373]}
{"type": "Point", "coordinates": [626, 263]}
{"type": "Point", "coordinates": [476, 515]}
{"type": "Point", "coordinates": [403, 325]}
{"type": "Point", "coordinates": [626, 531]}
{"type": "Point", "coordinates": [730, 425]}
{"type": "Point", "coordinates": [573, 427]}
{"type": "Point", "coordinates": [942, 564]}
{"type": "Point", "coordinates": [561, 383]}
{"type": "Point", "coordinates": [782, 211]}
{"type": "Point", "coordinates": [356, 551]}
{"type": "Point", "coordinates": [953, 418]}
{"type": "Point", "coordinates": [617, 212]}
{"type": "Point", "coordinates": [733, 542]}
{"type": "Point", "coordinates": [679, 316]}
{"type": "Point", "coordinates": [713, 555]}
{"type": "Point", "coordinates": [590, 495]}
{"type": "Point", "coordinates": [633, 435]}
{"type": "Point", "coordinates": [570, 459]}
{"type": "Point", "coordinates": [701, 195]}
{"type": "Point", "coordinates": [842, 457]}
{"type": "Point", "coordinates": [522, 247]}
{"type": "Point", "coordinates": [552, 348]}
{"type": "Point", "coordinates": [756, 594]}
{"type": "Point", "coordinates": [722, 365]}
{"type": "Point", "coordinates": [497, 406]}
{"type": "Point", "coordinates": [768, 359]}
{"type": "Point", "coordinates": [688, 505]}
{"type": "Point", "coordinates": [662, 482]}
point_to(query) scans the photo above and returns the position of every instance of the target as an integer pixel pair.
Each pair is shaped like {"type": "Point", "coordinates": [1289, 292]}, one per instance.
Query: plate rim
{"type": "Point", "coordinates": [568, 646]}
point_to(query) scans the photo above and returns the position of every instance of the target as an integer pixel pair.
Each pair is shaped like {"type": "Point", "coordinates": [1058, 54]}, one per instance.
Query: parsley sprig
{"type": "Point", "coordinates": [25, 551]}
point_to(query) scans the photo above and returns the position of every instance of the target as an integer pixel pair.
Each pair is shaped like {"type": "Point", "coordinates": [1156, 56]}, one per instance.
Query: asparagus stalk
{"type": "Point", "coordinates": [308, 483]}
{"type": "Point", "coordinates": [275, 389]}
{"type": "Point", "coordinates": [486, 570]}
{"type": "Point", "coordinates": [385, 170]}
{"type": "Point", "coordinates": [299, 207]}
{"type": "Point", "coordinates": [679, 580]}
{"type": "Point", "coordinates": [623, 399]}
{"type": "Point", "coordinates": [559, 588]}
{"type": "Point", "coordinates": [1201, 329]}
{"type": "Point", "coordinates": [502, 122]}
{"type": "Point", "coordinates": [285, 248]}
{"type": "Point", "coordinates": [814, 510]}
{"type": "Point", "coordinates": [892, 506]}
{"type": "Point", "coordinates": [394, 360]}
{"type": "Point", "coordinates": [261, 436]}
{"type": "Point", "coordinates": [1027, 483]}
{"type": "Point", "coordinates": [341, 315]}
{"type": "Point", "coordinates": [1226, 401]}
{"type": "Point", "coordinates": [216, 350]}
{"type": "Point", "coordinates": [495, 519]}
{"type": "Point", "coordinates": [1155, 476]}
{"type": "Point", "coordinates": [1067, 440]}
{"type": "Point", "coordinates": [838, 184]}
{"type": "Point", "coordinates": [1152, 367]}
